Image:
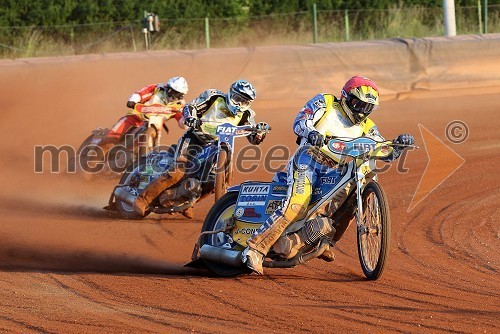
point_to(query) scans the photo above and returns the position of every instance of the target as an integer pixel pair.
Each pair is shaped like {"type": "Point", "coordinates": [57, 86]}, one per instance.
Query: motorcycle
{"type": "Point", "coordinates": [210, 171]}
{"type": "Point", "coordinates": [347, 193]}
{"type": "Point", "coordinates": [93, 157]}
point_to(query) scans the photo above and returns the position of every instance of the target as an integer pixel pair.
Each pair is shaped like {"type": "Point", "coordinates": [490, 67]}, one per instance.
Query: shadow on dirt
{"type": "Point", "coordinates": [20, 258]}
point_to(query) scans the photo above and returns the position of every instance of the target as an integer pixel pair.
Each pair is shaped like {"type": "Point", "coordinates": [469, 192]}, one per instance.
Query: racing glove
{"type": "Point", "coordinates": [404, 139]}
{"type": "Point", "coordinates": [131, 104]}
{"type": "Point", "coordinates": [193, 122]}
{"type": "Point", "coordinates": [258, 138]}
{"type": "Point", "coordinates": [316, 139]}
{"type": "Point", "coordinates": [263, 126]}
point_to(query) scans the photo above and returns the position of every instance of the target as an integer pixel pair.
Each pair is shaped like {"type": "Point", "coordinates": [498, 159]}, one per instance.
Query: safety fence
{"type": "Point", "coordinates": [319, 26]}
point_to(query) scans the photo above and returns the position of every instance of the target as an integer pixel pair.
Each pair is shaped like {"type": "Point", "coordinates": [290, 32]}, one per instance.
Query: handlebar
{"type": "Point", "coordinates": [387, 142]}
{"type": "Point", "coordinates": [153, 109]}
{"type": "Point", "coordinates": [404, 145]}
{"type": "Point", "coordinates": [252, 129]}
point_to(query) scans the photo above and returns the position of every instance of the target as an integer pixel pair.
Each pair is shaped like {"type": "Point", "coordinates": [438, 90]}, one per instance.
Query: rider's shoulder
{"type": "Point", "coordinates": [319, 101]}
{"type": "Point", "coordinates": [318, 97]}
{"type": "Point", "coordinates": [209, 93]}
{"type": "Point", "coordinates": [149, 88]}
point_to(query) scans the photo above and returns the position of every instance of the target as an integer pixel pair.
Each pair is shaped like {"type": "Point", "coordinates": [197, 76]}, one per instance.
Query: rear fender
{"type": "Point", "coordinates": [100, 132]}
{"type": "Point", "coordinates": [256, 202]}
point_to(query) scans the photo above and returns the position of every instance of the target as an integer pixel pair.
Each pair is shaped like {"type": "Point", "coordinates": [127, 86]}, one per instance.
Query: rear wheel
{"type": "Point", "coordinates": [74, 160]}
{"type": "Point", "coordinates": [81, 158]}
{"type": "Point", "coordinates": [222, 170]}
{"type": "Point", "coordinates": [374, 236]}
{"type": "Point", "coordinates": [221, 211]}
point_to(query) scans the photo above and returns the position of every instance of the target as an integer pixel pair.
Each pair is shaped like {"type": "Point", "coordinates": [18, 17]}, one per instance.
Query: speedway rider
{"type": "Point", "coordinates": [324, 115]}
{"type": "Point", "coordinates": [170, 93]}
{"type": "Point", "coordinates": [202, 115]}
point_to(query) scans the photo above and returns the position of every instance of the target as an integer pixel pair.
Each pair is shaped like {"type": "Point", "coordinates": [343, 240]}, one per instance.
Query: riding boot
{"type": "Point", "coordinates": [254, 260]}
{"type": "Point", "coordinates": [268, 233]}
{"type": "Point", "coordinates": [260, 242]}
{"type": "Point", "coordinates": [142, 202]}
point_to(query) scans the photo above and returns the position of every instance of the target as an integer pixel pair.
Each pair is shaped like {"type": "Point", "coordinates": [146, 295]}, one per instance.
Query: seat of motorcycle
{"type": "Point", "coordinates": [279, 177]}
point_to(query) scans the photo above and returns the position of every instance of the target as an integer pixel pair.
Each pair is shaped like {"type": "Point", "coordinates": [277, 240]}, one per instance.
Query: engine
{"type": "Point", "coordinates": [186, 191]}
{"type": "Point", "coordinates": [310, 234]}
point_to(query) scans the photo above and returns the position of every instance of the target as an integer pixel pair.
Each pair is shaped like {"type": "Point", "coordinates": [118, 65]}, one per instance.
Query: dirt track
{"type": "Point", "coordinates": [69, 266]}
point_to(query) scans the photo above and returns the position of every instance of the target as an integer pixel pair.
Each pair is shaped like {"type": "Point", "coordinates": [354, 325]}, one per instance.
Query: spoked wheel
{"type": "Point", "coordinates": [221, 211]}
{"type": "Point", "coordinates": [374, 235]}
{"type": "Point", "coordinates": [222, 173]}
{"type": "Point", "coordinates": [81, 159]}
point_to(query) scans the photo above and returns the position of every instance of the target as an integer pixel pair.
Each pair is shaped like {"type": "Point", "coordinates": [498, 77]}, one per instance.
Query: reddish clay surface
{"type": "Point", "coordinates": [69, 266]}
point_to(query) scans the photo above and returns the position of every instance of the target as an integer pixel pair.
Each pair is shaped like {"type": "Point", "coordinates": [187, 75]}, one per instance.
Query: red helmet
{"type": "Point", "coordinates": [359, 98]}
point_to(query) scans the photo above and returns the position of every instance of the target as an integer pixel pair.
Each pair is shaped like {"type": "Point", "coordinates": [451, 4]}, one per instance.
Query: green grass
{"type": "Point", "coordinates": [294, 28]}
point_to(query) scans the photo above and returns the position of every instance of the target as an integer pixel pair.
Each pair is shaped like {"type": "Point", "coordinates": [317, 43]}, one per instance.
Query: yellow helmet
{"type": "Point", "coordinates": [359, 98]}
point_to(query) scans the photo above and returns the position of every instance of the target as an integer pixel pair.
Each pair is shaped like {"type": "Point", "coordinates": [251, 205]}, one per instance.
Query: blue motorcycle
{"type": "Point", "coordinates": [209, 171]}
{"type": "Point", "coordinates": [345, 194]}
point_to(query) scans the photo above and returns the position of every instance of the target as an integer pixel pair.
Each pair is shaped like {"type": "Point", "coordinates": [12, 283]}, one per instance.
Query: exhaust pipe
{"type": "Point", "coordinates": [228, 257]}
{"type": "Point", "coordinates": [124, 196]}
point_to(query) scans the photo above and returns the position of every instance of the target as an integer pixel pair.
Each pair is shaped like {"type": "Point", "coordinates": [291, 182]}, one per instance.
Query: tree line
{"type": "Point", "coordinates": [70, 12]}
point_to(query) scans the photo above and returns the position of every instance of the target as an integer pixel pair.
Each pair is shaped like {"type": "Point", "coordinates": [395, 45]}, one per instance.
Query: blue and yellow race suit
{"type": "Point", "coordinates": [323, 113]}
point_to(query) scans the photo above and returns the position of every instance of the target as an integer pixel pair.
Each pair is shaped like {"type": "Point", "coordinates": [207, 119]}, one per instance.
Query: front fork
{"type": "Point", "coordinates": [360, 178]}
{"type": "Point", "coordinates": [359, 214]}
{"type": "Point", "coordinates": [229, 143]}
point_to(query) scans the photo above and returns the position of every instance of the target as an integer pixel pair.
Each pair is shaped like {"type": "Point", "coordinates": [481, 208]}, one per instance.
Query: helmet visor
{"type": "Point", "coordinates": [358, 106]}
{"type": "Point", "coordinates": [240, 101]}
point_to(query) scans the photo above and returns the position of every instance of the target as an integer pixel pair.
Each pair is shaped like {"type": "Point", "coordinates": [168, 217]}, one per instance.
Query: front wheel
{"type": "Point", "coordinates": [221, 211]}
{"type": "Point", "coordinates": [375, 231]}
{"type": "Point", "coordinates": [150, 137]}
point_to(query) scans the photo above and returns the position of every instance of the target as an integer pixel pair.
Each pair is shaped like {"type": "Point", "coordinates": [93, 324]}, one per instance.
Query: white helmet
{"type": "Point", "coordinates": [177, 87]}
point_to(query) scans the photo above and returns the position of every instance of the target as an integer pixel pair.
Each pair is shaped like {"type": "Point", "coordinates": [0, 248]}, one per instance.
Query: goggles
{"type": "Point", "coordinates": [358, 106]}
{"type": "Point", "coordinates": [239, 100]}
{"type": "Point", "coordinates": [174, 95]}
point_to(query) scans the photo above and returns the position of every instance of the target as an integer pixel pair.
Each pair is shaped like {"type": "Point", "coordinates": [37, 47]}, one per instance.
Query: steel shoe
{"type": "Point", "coordinates": [188, 213]}
{"type": "Point", "coordinates": [253, 260]}
{"type": "Point", "coordinates": [328, 256]}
